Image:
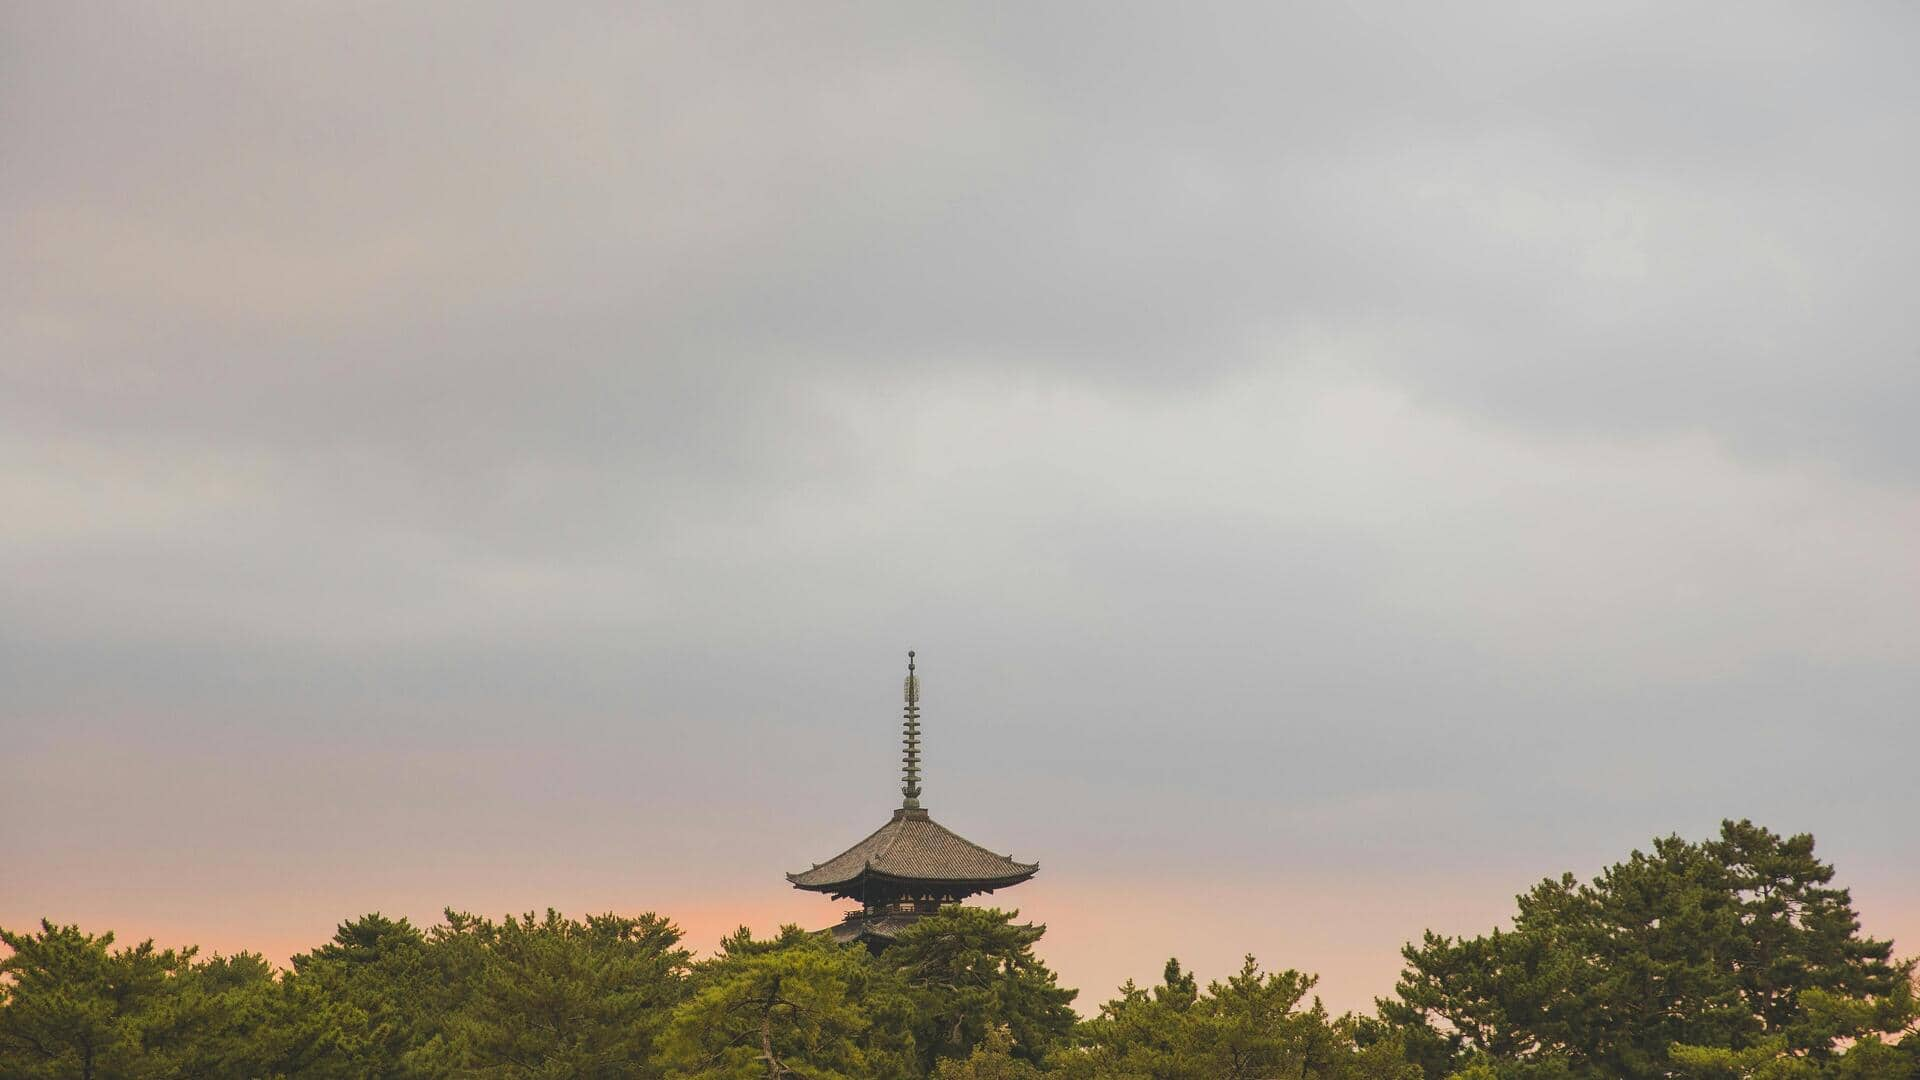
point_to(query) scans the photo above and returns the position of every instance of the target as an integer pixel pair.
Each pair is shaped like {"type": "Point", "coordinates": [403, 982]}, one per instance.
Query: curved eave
{"type": "Point", "coordinates": [849, 886]}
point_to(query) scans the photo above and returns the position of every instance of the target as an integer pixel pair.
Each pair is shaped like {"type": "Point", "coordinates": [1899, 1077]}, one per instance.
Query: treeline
{"type": "Point", "coordinates": [1729, 958]}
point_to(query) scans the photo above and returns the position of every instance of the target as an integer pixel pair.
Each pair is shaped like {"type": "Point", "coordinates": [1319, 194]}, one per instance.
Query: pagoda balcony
{"type": "Point", "coordinates": [899, 907]}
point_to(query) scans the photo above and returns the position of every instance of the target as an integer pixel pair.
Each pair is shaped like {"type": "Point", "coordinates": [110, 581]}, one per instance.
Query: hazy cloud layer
{"type": "Point", "coordinates": [1421, 449]}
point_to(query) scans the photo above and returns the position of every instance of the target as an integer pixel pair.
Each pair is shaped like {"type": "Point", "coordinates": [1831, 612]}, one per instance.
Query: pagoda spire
{"type": "Point", "coordinates": [910, 731]}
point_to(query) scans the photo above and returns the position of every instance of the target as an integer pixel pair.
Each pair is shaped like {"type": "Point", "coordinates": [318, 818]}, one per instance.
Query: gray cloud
{"type": "Point", "coordinates": [1345, 437]}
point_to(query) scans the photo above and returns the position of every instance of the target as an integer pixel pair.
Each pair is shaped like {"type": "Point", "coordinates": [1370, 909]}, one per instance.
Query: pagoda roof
{"type": "Point", "coordinates": [914, 847]}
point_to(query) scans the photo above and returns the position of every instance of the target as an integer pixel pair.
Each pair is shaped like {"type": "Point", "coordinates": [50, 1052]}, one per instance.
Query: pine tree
{"type": "Point", "coordinates": [972, 970]}
{"type": "Point", "coordinates": [1718, 945]}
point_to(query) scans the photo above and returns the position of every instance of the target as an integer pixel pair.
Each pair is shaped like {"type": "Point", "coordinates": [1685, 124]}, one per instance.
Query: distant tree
{"type": "Point", "coordinates": [972, 971]}
{"type": "Point", "coordinates": [1737, 944]}
{"type": "Point", "coordinates": [741, 944]}
{"type": "Point", "coordinates": [361, 1003]}
{"type": "Point", "coordinates": [795, 1006]}
{"type": "Point", "coordinates": [554, 997]}
{"type": "Point", "coordinates": [222, 1013]}
{"type": "Point", "coordinates": [1254, 1026]}
{"type": "Point", "coordinates": [71, 1005]}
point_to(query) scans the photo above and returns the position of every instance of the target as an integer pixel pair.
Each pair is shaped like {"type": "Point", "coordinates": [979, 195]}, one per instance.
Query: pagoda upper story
{"type": "Point", "coordinates": [912, 865]}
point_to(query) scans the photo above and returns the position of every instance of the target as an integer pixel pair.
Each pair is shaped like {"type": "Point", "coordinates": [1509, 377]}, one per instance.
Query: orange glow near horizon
{"type": "Point", "coordinates": [1100, 933]}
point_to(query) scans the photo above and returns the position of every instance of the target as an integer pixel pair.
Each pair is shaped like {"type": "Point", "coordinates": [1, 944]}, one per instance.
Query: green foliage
{"type": "Point", "coordinates": [553, 997]}
{"type": "Point", "coordinates": [741, 943]}
{"type": "Point", "coordinates": [970, 972]}
{"type": "Point", "coordinates": [1827, 1021]}
{"type": "Point", "coordinates": [71, 1005]}
{"type": "Point", "coordinates": [216, 1011]}
{"type": "Point", "coordinates": [523, 998]}
{"type": "Point", "coordinates": [1251, 1027]}
{"type": "Point", "coordinates": [75, 1006]}
{"type": "Point", "coordinates": [992, 1060]}
{"type": "Point", "coordinates": [1729, 959]}
{"type": "Point", "coordinates": [358, 1005]}
{"type": "Point", "coordinates": [795, 1006]}
{"type": "Point", "coordinates": [1725, 945]}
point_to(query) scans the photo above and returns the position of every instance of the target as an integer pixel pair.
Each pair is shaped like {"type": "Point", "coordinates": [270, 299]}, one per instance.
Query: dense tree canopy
{"type": "Point", "coordinates": [72, 1005]}
{"type": "Point", "coordinates": [1253, 1026]}
{"type": "Point", "coordinates": [1733, 950]}
{"type": "Point", "coordinates": [970, 972]}
{"type": "Point", "coordinates": [361, 1003]}
{"type": "Point", "coordinates": [1735, 958]}
{"type": "Point", "coordinates": [552, 997]}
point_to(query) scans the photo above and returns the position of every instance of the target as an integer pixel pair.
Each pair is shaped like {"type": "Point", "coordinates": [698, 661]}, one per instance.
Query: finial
{"type": "Point", "coordinates": [910, 729]}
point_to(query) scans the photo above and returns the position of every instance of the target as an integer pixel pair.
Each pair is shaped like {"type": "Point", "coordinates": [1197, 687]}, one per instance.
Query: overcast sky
{"type": "Point", "coordinates": [1337, 466]}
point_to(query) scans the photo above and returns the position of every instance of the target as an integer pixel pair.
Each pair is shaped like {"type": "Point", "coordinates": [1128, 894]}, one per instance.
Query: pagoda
{"type": "Point", "coordinates": [912, 865]}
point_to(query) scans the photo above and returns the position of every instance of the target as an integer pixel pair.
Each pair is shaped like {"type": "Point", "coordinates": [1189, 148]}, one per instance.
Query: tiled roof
{"type": "Point", "coordinates": [915, 847]}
